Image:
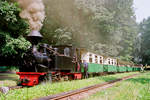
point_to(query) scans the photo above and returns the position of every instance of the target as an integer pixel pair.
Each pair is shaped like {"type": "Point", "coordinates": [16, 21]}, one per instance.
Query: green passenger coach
{"type": "Point", "coordinates": [99, 64]}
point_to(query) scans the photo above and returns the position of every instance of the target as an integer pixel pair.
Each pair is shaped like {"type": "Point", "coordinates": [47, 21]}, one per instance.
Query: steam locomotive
{"type": "Point", "coordinates": [51, 63]}
{"type": "Point", "coordinates": [54, 63]}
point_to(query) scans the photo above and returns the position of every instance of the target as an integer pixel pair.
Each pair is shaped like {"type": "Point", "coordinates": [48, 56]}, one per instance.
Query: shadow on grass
{"type": "Point", "coordinates": [139, 80]}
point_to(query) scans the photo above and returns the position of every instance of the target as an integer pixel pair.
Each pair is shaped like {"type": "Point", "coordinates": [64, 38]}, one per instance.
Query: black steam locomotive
{"type": "Point", "coordinates": [48, 62]}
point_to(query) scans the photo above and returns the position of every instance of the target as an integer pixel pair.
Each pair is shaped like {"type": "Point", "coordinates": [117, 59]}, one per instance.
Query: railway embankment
{"type": "Point", "coordinates": [136, 88]}
{"type": "Point", "coordinates": [55, 88]}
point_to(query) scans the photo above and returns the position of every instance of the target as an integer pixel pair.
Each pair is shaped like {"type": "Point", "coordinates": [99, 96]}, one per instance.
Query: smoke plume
{"type": "Point", "coordinates": [66, 13]}
{"type": "Point", "coordinates": [33, 11]}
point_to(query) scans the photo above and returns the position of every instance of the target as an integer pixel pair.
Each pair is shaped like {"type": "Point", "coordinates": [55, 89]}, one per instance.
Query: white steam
{"type": "Point", "coordinates": [34, 12]}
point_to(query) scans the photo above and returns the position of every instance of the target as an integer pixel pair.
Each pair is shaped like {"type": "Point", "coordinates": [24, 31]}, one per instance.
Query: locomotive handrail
{"type": "Point", "coordinates": [50, 49]}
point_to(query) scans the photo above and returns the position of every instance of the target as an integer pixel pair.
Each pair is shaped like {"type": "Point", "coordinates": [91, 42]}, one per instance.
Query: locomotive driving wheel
{"type": "Point", "coordinates": [56, 77]}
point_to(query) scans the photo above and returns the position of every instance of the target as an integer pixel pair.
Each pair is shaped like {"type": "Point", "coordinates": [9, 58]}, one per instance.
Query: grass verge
{"type": "Point", "coordinates": [137, 88]}
{"type": "Point", "coordinates": [50, 89]}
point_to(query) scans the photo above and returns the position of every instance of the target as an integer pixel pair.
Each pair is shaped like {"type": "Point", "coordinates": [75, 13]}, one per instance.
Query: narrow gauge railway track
{"type": "Point", "coordinates": [66, 95]}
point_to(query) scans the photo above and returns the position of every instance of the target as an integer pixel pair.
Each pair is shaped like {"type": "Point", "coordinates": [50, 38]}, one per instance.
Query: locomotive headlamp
{"type": "Point", "coordinates": [34, 37]}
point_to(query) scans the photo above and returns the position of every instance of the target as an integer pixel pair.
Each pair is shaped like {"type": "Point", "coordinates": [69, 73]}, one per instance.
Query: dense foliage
{"type": "Point", "coordinates": [106, 27]}
{"type": "Point", "coordinates": [12, 30]}
{"type": "Point", "coordinates": [145, 41]}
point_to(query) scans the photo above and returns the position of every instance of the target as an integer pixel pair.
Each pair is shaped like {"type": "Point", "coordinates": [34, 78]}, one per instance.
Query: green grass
{"type": "Point", "coordinates": [50, 89]}
{"type": "Point", "coordinates": [137, 88]}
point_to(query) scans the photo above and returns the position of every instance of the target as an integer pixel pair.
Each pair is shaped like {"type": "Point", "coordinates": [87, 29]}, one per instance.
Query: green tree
{"type": "Point", "coordinates": [145, 35]}
{"type": "Point", "coordinates": [12, 30]}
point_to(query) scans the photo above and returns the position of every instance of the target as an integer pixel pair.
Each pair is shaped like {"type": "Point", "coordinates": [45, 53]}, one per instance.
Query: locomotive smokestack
{"type": "Point", "coordinates": [34, 37]}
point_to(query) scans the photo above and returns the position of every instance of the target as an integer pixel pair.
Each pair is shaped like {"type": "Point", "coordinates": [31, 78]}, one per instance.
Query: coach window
{"type": "Point", "coordinates": [101, 60]}
{"type": "Point", "coordinates": [109, 61]}
{"type": "Point", "coordinates": [90, 58]}
{"type": "Point", "coordinates": [112, 62]}
{"type": "Point", "coordinates": [67, 51]}
{"type": "Point", "coordinates": [116, 62]}
{"type": "Point", "coordinates": [96, 59]}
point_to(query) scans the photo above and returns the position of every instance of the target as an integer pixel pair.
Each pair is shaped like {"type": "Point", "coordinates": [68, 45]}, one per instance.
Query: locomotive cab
{"type": "Point", "coordinates": [66, 59]}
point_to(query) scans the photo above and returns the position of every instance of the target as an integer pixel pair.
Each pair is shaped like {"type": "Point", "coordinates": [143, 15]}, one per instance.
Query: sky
{"type": "Point", "coordinates": [142, 9]}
